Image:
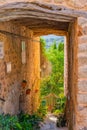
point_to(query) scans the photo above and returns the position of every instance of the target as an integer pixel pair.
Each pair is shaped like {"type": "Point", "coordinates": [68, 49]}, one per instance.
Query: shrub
{"type": "Point", "coordinates": [19, 122]}
{"type": "Point", "coordinates": [42, 111]}
{"type": "Point", "coordinates": [8, 122]}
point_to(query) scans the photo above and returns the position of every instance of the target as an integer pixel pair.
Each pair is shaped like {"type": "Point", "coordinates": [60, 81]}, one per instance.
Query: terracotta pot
{"type": "Point", "coordinates": [36, 90]}
{"type": "Point", "coordinates": [28, 91]}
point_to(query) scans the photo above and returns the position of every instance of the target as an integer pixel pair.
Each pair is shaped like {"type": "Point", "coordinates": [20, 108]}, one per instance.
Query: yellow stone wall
{"type": "Point", "coordinates": [10, 83]}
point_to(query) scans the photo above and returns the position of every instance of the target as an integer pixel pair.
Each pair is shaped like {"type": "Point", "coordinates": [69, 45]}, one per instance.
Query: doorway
{"type": "Point", "coordinates": [43, 22]}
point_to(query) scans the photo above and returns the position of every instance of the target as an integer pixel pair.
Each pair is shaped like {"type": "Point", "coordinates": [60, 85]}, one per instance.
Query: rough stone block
{"type": "Point", "coordinates": [82, 98]}
{"type": "Point", "coordinates": [81, 127]}
{"type": "Point", "coordinates": [82, 112]}
{"type": "Point", "coordinates": [82, 39]}
{"type": "Point", "coordinates": [58, 1]}
{"type": "Point", "coordinates": [82, 59]}
{"type": "Point", "coordinates": [82, 71]}
{"type": "Point", "coordinates": [82, 21]}
{"type": "Point", "coordinates": [84, 28]}
{"type": "Point", "coordinates": [82, 85]}
{"type": "Point", "coordinates": [82, 48]}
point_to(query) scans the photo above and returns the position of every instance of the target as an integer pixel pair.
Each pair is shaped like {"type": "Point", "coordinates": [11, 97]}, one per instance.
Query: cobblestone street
{"type": "Point", "coordinates": [50, 124]}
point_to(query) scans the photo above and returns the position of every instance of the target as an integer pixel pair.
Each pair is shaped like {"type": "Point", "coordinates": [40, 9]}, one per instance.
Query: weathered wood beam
{"type": "Point", "coordinates": [40, 32]}
{"type": "Point", "coordinates": [35, 24]}
{"type": "Point", "coordinates": [37, 21]}
{"type": "Point", "coordinates": [12, 14]}
{"type": "Point", "coordinates": [28, 10]}
{"type": "Point", "coordinates": [13, 34]}
{"type": "Point", "coordinates": [16, 35]}
{"type": "Point", "coordinates": [8, 18]}
{"type": "Point", "coordinates": [58, 27]}
{"type": "Point", "coordinates": [40, 8]}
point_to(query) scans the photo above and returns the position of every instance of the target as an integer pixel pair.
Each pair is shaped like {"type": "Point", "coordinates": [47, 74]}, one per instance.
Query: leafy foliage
{"type": "Point", "coordinates": [8, 122]}
{"type": "Point", "coordinates": [20, 122]}
{"type": "Point", "coordinates": [54, 83]}
{"type": "Point", "coordinates": [43, 45]}
{"type": "Point", "coordinates": [59, 106]}
{"type": "Point", "coordinates": [42, 111]}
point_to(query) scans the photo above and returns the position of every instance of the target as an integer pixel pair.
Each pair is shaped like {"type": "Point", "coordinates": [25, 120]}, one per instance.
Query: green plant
{"type": "Point", "coordinates": [42, 111]}
{"type": "Point", "coordinates": [8, 122]}
{"type": "Point", "coordinates": [29, 122]}
{"type": "Point", "coordinates": [60, 104]}
{"type": "Point", "coordinates": [19, 122]}
{"type": "Point", "coordinates": [55, 82]}
{"type": "Point", "coordinates": [57, 112]}
{"type": "Point", "coordinates": [43, 45]}
{"type": "Point", "coordinates": [61, 121]}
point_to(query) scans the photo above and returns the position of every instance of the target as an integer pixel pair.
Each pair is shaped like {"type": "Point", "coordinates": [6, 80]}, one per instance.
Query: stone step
{"type": "Point", "coordinates": [82, 71]}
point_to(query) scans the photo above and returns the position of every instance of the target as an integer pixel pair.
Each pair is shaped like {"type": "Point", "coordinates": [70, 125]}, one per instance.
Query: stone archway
{"type": "Point", "coordinates": [43, 18]}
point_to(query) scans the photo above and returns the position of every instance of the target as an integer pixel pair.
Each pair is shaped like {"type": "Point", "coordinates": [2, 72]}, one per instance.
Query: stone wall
{"type": "Point", "coordinates": [82, 76]}
{"type": "Point", "coordinates": [77, 4]}
{"type": "Point", "coordinates": [10, 83]}
{"type": "Point", "coordinates": [33, 74]}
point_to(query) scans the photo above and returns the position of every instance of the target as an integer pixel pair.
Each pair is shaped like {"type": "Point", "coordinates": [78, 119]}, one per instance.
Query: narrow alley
{"type": "Point", "coordinates": [50, 123]}
{"type": "Point", "coordinates": [22, 23]}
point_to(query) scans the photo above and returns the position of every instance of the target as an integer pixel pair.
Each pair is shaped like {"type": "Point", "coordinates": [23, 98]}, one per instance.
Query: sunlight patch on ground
{"type": "Point", "coordinates": [52, 118]}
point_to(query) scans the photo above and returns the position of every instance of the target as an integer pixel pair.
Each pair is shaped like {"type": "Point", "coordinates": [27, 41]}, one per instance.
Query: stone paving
{"type": "Point", "coordinates": [50, 124]}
